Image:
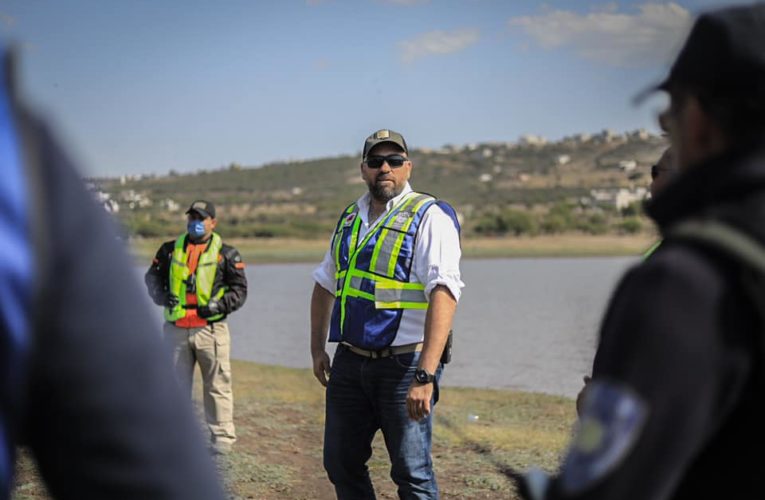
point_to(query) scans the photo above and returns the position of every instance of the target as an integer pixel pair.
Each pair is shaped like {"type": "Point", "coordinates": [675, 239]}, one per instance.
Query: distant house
{"type": "Point", "coordinates": [532, 140]}
{"type": "Point", "coordinates": [111, 206]}
{"type": "Point", "coordinates": [582, 138]}
{"type": "Point", "coordinates": [603, 195]}
{"type": "Point", "coordinates": [607, 136]}
{"type": "Point", "coordinates": [626, 197]}
{"type": "Point", "coordinates": [620, 198]}
{"type": "Point", "coordinates": [628, 165]}
{"type": "Point", "coordinates": [135, 200]}
{"type": "Point", "coordinates": [169, 205]}
{"type": "Point", "coordinates": [640, 134]}
{"type": "Point", "coordinates": [562, 159]}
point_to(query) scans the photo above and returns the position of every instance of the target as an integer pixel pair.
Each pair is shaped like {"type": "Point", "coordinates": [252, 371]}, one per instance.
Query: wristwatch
{"type": "Point", "coordinates": [423, 377]}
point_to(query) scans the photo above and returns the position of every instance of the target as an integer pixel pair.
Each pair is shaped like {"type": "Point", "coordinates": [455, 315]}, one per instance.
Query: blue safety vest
{"type": "Point", "coordinates": [15, 281]}
{"type": "Point", "coordinates": [373, 287]}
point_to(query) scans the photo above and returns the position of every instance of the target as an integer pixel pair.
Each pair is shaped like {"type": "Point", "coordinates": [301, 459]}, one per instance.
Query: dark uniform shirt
{"type": "Point", "coordinates": [230, 273]}
{"type": "Point", "coordinates": [678, 410]}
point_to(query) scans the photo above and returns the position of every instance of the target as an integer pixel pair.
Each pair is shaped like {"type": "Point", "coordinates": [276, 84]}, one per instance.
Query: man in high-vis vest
{"type": "Point", "coordinates": [386, 292]}
{"type": "Point", "coordinates": [200, 280]}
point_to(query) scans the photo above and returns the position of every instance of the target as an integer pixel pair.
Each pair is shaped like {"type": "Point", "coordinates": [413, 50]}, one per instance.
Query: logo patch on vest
{"type": "Point", "coordinates": [612, 420]}
{"type": "Point", "coordinates": [402, 217]}
{"type": "Point", "coordinates": [349, 219]}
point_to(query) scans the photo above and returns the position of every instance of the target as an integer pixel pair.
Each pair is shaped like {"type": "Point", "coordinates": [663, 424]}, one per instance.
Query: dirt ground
{"type": "Point", "coordinates": [279, 418]}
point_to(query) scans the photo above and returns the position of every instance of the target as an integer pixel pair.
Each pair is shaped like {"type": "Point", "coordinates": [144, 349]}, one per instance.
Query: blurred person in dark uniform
{"type": "Point", "coordinates": [86, 382]}
{"type": "Point", "coordinates": [200, 280]}
{"type": "Point", "coordinates": [676, 404]}
{"type": "Point", "coordinates": [662, 173]}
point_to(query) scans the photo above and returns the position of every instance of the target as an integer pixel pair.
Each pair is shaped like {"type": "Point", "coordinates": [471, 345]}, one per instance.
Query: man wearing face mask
{"type": "Point", "coordinates": [200, 280]}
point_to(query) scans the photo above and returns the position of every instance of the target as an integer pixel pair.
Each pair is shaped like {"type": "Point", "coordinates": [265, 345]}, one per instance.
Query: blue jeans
{"type": "Point", "coordinates": [364, 395]}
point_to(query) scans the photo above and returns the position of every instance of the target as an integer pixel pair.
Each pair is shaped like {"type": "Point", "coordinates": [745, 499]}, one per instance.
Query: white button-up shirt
{"type": "Point", "coordinates": [436, 261]}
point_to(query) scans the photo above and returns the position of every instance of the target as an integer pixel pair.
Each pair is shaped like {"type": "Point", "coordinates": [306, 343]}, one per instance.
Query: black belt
{"type": "Point", "coordinates": [383, 353]}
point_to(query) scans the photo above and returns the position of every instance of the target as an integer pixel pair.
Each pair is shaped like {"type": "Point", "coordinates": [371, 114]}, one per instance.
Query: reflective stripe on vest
{"type": "Point", "coordinates": [376, 269]}
{"type": "Point", "coordinates": [204, 276]}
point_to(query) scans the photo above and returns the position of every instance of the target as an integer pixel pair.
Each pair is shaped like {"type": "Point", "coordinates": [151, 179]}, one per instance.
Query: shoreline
{"type": "Point", "coordinates": [294, 251]}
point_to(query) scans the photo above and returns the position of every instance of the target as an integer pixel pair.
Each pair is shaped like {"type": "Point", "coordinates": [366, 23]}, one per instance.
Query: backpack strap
{"type": "Point", "coordinates": [734, 244]}
{"type": "Point", "coordinates": [723, 237]}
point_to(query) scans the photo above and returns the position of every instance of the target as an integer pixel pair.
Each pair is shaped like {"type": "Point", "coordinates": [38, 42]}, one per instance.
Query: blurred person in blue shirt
{"type": "Point", "coordinates": [86, 383]}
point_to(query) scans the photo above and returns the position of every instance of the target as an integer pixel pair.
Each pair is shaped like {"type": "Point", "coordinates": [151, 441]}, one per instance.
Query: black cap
{"type": "Point", "coordinates": [203, 208]}
{"type": "Point", "coordinates": [384, 135]}
{"type": "Point", "coordinates": [724, 55]}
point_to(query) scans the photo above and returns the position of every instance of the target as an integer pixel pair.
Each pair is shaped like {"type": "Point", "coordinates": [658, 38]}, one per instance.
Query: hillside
{"type": "Point", "coordinates": [589, 184]}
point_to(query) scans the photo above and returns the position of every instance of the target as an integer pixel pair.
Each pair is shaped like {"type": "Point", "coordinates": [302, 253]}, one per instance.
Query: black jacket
{"type": "Point", "coordinates": [230, 274]}
{"type": "Point", "coordinates": [684, 335]}
{"type": "Point", "coordinates": [101, 409]}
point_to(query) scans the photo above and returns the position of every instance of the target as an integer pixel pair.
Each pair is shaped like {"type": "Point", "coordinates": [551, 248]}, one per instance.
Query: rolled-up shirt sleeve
{"type": "Point", "coordinates": [438, 253]}
{"type": "Point", "coordinates": [324, 275]}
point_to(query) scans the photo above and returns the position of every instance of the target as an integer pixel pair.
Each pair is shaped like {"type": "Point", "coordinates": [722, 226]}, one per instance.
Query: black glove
{"type": "Point", "coordinates": [212, 308]}
{"type": "Point", "coordinates": [171, 300]}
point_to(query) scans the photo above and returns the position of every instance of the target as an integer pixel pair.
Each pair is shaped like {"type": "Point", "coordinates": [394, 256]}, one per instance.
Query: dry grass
{"type": "Point", "coordinates": [280, 415]}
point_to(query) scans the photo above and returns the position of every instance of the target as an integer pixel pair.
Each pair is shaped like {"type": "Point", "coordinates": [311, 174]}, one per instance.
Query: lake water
{"type": "Point", "coordinates": [528, 324]}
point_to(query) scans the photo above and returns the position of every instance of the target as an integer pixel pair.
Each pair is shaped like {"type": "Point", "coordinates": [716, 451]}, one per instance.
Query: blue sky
{"type": "Point", "coordinates": [149, 86]}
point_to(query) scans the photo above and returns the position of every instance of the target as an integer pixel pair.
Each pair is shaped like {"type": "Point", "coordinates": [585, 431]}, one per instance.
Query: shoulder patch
{"type": "Point", "coordinates": [349, 219]}
{"type": "Point", "coordinates": [612, 419]}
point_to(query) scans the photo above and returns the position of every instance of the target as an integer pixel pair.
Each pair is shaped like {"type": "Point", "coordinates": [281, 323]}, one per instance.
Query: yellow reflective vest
{"type": "Point", "coordinates": [373, 287]}
{"type": "Point", "coordinates": [202, 279]}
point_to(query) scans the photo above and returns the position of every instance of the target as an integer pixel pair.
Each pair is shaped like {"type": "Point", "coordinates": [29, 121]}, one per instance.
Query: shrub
{"type": "Point", "coordinates": [630, 226]}
{"type": "Point", "coordinates": [518, 222]}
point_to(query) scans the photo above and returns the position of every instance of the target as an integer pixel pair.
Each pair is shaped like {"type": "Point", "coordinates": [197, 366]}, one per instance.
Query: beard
{"type": "Point", "coordinates": [384, 192]}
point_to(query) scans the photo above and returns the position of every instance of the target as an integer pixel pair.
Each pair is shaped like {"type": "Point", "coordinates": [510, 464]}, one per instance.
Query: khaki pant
{"type": "Point", "coordinates": [210, 347]}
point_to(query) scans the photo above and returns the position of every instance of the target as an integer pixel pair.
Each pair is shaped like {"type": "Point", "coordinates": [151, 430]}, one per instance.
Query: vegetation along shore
{"type": "Point", "coordinates": [283, 250]}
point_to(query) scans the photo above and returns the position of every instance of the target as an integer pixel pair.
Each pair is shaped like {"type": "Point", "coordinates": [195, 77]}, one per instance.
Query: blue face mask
{"type": "Point", "coordinates": [196, 229]}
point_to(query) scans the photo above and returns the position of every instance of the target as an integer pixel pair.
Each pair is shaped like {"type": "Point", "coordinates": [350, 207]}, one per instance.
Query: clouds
{"type": "Point", "coordinates": [642, 38]}
{"type": "Point", "coordinates": [437, 43]}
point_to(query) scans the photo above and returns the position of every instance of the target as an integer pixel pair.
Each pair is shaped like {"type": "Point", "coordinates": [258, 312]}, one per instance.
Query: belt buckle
{"type": "Point", "coordinates": [384, 353]}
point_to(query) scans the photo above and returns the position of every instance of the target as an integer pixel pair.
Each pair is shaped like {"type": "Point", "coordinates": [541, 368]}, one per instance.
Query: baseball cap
{"type": "Point", "coordinates": [724, 55]}
{"type": "Point", "coordinates": [202, 207]}
{"type": "Point", "coordinates": [384, 135]}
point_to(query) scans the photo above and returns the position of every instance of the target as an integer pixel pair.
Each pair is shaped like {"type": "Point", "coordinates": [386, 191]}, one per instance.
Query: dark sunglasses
{"type": "Point", "coordinates": [656, 170]}
{"type": "Point", "coordinates": [394, 161]}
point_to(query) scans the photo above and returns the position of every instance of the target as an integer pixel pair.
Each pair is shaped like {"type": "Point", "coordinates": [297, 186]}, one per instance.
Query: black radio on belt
{"type": "Point", "coordinates": [446, 356]}
{"type": "Point", "coordinates": [191, 284]}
